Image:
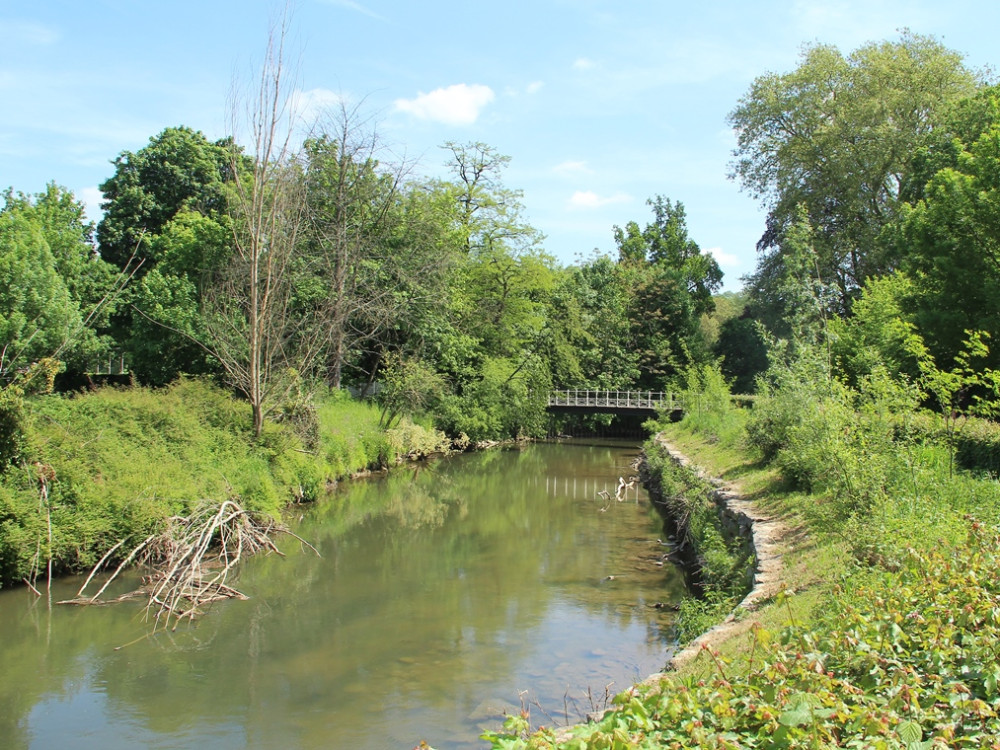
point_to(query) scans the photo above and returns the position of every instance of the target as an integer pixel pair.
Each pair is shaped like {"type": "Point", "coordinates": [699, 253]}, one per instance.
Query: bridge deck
{"type": "Point", "coordinates": [612, 402]}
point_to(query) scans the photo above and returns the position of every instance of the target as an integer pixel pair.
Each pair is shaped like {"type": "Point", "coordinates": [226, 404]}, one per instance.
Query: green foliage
{"type": "Point", "coordinates": [742, 347]}
{"type": "Point", "coordinates": [178, 169]}
{"type": "Point", "coordinates": [606, 357]}
{"type": "Point", "coordinates": [977, 447]}
{"type": "Point", "coordinates": [11, 426]}
{"type": "Point", "coordinates": [963, 390]}
{"type": "Point", "coordinates": [708, 404]}
{"type": "Point", "coordinates": [409, 387]}
{"type": "Point", "coordinates": [879, 332]}
{"type": "Point", "coordinates": [35, 379]}
{"type": "Point", "coordinates": [836, 136]}
{"type": "Point", "coordinates": [951, 247]}
{"type": "Point", "coordinates": [665, 242]}
{"type": "Point", "coordinates": [669, 284]}
{"type": "Point", "coordinates": [784, 395]}
{"type": "Point", "coordinates": [38, 316]}
{"type": "Point", "coordinates": [507, 402]}
{"type": "Point", "coordinates": [70, 239]}
{"type": "Point", "coordinates": [490, 214]}
{"type": "Point", "coordinates": [850, 446]}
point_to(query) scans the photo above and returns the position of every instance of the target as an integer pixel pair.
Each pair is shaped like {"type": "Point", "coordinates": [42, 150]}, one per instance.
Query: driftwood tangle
{"type": "Point", "coordinates": [190, 560]}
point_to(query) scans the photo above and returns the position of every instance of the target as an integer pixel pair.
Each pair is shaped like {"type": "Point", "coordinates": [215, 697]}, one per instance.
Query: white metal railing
{"type": "Point", "coordinates": [614, 399]}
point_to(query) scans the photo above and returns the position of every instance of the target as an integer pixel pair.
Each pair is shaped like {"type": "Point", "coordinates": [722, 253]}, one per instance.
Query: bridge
{"type": "Point", "coordinates": [612, 402]}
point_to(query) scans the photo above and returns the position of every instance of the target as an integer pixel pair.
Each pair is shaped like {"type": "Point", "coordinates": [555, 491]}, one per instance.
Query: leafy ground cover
{"type": "Point", "coordinates": [904, 660]}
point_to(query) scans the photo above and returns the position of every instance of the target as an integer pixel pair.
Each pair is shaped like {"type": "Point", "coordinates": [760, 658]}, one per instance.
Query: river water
{"type": "Point", "coordinates": [443, 594]}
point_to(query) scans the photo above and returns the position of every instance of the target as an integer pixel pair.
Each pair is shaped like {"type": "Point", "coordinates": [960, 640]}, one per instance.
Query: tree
{"type": "Point", "coordinates": [70, 238]}
{"type": "Point", "coordinates": [608, 360]}
{"type": "Point", "coordinates": [879, 332]}
{"type": "Point", "coordinates": [670, 283]}
{"type": "Point", "coordinates": [663, 324]}
{"type": "Point", "coordinates": [152, 203]}
{"type": "Point", "coordinates": [166, 334]}
{"type": "Point", "coordinates": [953, 250]}
{"type": "Point", "coordinates": [253, 327]}
{"type": "Point", "coordinates": [38, 316]}
{"type": "Point", "coordinates": [489, 213]}
{"type": "Point", "coordinates": [666, 243]}
{"type": "Point", "coordinates": [375, 255]}
{"type": "Point", "coordinates": [837, 135]}
{"type": "Point", "coordinates": [178, 169]}
{"type": "Point", "coordinates": [743, 350]}
{"type": "Point", "coordinates": [58, 294]}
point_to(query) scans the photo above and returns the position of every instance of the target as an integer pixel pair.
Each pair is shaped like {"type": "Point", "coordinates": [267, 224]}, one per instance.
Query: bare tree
{"type": "Point", "coordinates": [255, 325]}
{"type": "Point", "coordinates": [372, 254]}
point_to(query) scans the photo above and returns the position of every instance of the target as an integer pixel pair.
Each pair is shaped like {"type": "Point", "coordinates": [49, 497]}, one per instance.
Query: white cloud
{"type": "Point", "coordinates": [311, 104]}
{"type": "Point", "coordinates": [587, 199]}
{"type": "Point", "coordinates": [531, 89]}
{"type": "Point", "coordinates": [724, 259]}
{"type": "Point", "coordinates": [572, 168]}
{"type": "Point", "coordinates": [29, 33]}
{"type": "Point", "coordinates": [582, 63]}
{"type": "Point", "coordinates": [459, 104]}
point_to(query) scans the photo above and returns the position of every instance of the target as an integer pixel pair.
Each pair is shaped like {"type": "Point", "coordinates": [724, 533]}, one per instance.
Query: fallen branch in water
{"type": "Point", "coordinates": [192, 559]}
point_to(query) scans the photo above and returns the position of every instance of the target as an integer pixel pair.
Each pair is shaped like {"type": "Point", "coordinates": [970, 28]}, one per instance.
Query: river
{"type": "Point", "coordinates": [443, 594]}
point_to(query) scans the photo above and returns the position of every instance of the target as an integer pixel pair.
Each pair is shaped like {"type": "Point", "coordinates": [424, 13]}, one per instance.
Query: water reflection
{"type": "Point", "coordinates": [441, 593]}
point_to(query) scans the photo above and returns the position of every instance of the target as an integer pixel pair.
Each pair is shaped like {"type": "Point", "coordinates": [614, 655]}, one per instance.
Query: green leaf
{"type": "Point", "coordinates": [796, 717]}
{"type": "Point", "coordinates": [910, 732]}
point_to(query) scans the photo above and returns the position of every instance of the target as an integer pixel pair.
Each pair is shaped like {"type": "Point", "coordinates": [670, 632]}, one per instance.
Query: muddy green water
{"type": "Point", "coordinates": [444, 594]}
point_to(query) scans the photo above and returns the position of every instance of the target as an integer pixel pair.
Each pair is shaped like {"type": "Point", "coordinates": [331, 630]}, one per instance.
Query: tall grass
{"type": "Point", "coordinates": [117, 462]}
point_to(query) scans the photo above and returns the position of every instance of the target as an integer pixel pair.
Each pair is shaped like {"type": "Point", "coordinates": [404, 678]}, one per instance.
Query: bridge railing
{"type": "Point", "coordinates": [615, 399]}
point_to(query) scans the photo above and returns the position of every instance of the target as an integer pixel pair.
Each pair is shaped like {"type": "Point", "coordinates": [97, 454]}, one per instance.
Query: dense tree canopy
{"type": "Point", "coordinates": [837, 136]}
{"type": "Point", "coordinates": [328, 259]}
{"type": "Point", "coordinates": [57, 293]}
{"type": "Point", "coordinates": [178, 169]}
{"type": "Point", "coordinates": [952, 246]}
{"type": "Point", "coordinates": [670, 285]}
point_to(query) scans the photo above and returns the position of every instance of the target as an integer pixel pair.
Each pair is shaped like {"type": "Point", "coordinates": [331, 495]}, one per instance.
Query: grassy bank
{"type": "Point", "coordinates": [114, 463]}
{"type": "Point", "coordinates": [888, 630]}
{"type": "Point", "coordinates": [714, 551]}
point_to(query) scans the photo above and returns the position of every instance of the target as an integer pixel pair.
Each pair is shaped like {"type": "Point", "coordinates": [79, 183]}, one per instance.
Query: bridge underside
{"type": "Point", "coordinates": [618, 411]}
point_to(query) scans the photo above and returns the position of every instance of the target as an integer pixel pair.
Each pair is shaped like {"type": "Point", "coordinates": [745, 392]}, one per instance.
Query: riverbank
{"type": "Point", "coordinates": [768, 538]}
{"type": "Point", "coordinates": [793, 568]}
{"type": "Point", "coordinates": [113, 464]}
{"type": "Point", "coordinates": [881, 630]}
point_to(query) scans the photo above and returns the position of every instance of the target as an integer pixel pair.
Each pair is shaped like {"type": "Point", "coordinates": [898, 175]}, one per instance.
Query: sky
{"type": "Point", "coordinates": [600, 104]}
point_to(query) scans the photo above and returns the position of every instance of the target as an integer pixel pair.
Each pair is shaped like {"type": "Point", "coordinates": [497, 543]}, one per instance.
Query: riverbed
{"type": "Point", "coordinates": [442, 595]}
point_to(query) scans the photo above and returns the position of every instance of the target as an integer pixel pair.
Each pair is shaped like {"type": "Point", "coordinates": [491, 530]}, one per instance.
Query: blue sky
{"type": "Point", "coordinates": [600, 104]}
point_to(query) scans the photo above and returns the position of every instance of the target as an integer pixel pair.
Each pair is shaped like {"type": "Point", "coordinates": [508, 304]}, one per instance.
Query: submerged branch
{"type": "Point", "coordinates": [191, 560]}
